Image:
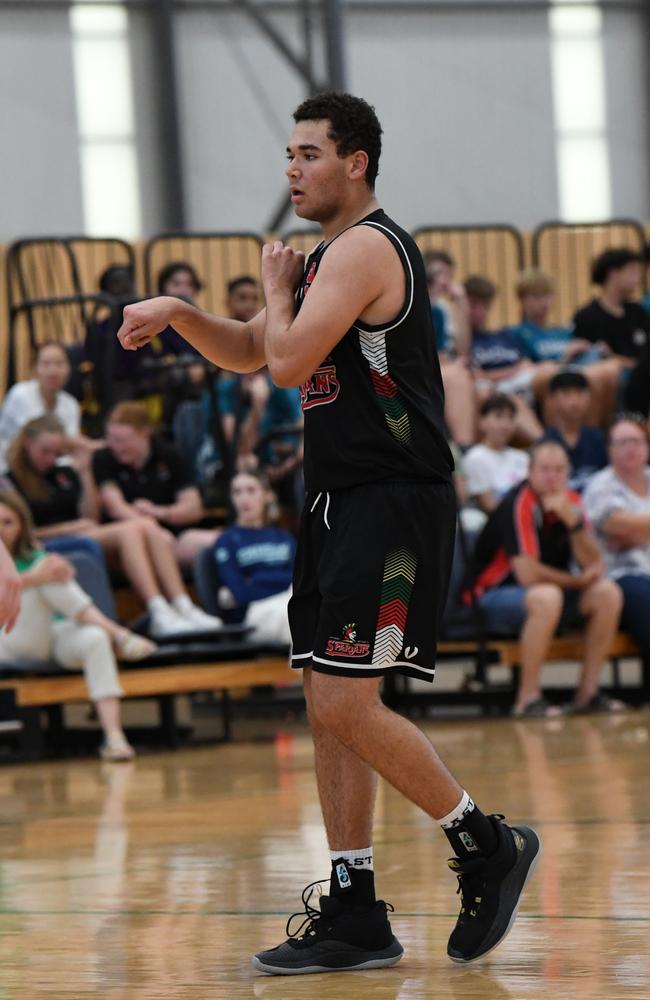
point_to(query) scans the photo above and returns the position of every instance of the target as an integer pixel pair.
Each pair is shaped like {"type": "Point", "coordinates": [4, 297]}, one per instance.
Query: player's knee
{"type": "Point", "coordinates": [544, 598]}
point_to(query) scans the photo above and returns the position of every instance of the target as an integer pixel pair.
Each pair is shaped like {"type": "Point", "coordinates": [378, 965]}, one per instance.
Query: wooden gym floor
{"type": "Point", "coordinates": [160, 878]}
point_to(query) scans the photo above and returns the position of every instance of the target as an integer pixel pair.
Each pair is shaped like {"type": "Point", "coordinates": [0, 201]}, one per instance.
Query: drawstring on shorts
{"type": "Point", "coordinates": [327, 507]}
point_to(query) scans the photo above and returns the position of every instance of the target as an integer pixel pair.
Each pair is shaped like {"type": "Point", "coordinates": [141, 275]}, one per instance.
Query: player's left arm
{"type": "Point", "coordinates": [346, 288]}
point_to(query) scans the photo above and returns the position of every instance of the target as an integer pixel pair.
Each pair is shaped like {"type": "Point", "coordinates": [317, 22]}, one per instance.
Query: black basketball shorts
{"type": "Point", "coordinates": [371, 578]}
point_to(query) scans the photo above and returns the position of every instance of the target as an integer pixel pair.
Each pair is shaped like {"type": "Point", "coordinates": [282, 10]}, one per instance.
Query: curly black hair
{"type": "Point", "coordinates": [353, 126]}
{"type": "Point", "coordinates": [612, 260]}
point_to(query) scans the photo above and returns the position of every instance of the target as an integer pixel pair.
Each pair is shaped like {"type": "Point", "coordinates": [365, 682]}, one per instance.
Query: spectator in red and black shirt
{"type": "Point", "coordinates": [537, 566]}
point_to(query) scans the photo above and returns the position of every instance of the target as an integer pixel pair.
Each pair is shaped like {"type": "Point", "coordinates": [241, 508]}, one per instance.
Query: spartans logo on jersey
{"type": "Point", "coordinates": [322, 388]}
{"type": "Point", "coordinates": [348, 645]}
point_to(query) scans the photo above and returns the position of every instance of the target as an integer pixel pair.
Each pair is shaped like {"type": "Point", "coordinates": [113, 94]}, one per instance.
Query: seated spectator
{"type": "Point", "coordinates": [42, 394]}
{"type": "Point", "coordinates": [450, 314]}
{"type": "Point", "coordinates": [168, 369]}
{"type": "Point", "coordinates": [58, 620]}
{"type": "Point", "coordinates": [617, 501]}
{"type": "Point", "coordinates": [140, 475]}
{"type": "Point", "coordinates": [205, 427]}
{"type": "Point", "coordinates": [255, 561]}
{"type": "Point", "coordinates": [492, 468]}
{"type": "Point", "coordinates": [254, 410]}
{"type": "Point", "coordinates": [243, 298]}
{"type": "Point", "coordinates": [498, 359]}
{"type": "Point", "coordinates": [526, 585]}
{"type": "Point", "coordinates": [584, 445]}
{"type": "Point", "coordinates": [118, 280]}
{"type": "Point", "coordinates": [613, 321]}
{"type": "Point", "coordinates": [65, 505]}
{"type": "Point", "coordinates": [449, 307]}
{"type": "Point", "coordinates": [557, 346]}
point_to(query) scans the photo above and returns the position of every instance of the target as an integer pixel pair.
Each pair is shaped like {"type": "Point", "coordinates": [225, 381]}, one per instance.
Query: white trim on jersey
{"type": "Point", "coordinates": [402, 316]}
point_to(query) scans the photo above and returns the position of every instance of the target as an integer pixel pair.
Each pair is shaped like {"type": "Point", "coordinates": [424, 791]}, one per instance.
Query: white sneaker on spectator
{"type": "Point", "coordinates": [167, 622]}
{"type": "Point", "coordinates": [198, 620]}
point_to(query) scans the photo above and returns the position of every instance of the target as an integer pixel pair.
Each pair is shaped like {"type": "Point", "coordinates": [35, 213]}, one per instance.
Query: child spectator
{"type": "Point", "coordinates": [526, 584]}
{"type": "Point", "coordinates": [552, 347]}
{"type": "Point", "coordinates": [585, 446]}
{"type": "Point", "coordinates": [58, 620]}
{"type": "Point", "coordinates": [498, 359]}
{"type": "Point", "coordinates": [450, 314]}
{"type": "Point", "coordinates": [243, 298]}
{"type": "Point", "coordinates": [65, 505]}
{"type": "Point", "coordinates": [492, 468]}
{"type": "Point", "coordinates": [255, 561]}
{"type": "Point", "coordinates": [42, 394]}
{"type": "Point", "coordinates": [139, 474]}
{"type": "Point", "coordinates": [617, 501]}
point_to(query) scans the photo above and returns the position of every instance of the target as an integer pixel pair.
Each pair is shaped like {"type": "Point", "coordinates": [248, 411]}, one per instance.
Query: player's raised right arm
{"type": "Point", "coordinates": [235, 346]}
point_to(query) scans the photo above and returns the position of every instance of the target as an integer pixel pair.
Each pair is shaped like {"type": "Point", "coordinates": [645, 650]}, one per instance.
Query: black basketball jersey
{"type": "Point", "coordinates": [374, 408]}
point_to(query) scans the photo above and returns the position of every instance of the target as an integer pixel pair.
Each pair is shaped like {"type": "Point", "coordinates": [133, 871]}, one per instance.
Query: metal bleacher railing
{"type": "Point", "coordinates": [45, 278]}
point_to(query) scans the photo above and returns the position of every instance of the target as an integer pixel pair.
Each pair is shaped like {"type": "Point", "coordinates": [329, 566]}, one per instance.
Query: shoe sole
{"type": "Point", "coordinates": [383, 959]}
{"type": "Point", "coordinates": [531, 868]}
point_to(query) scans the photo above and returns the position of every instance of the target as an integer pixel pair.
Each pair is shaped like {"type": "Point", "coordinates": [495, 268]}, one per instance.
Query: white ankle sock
{"type": "Point", "coordinates": [182, 603]}
{"type": "Point", "coordinates": [361, 857]}
{"type": "Point", "coordinates": [457, 815]}
{"type": "Point", "coordinates": [157, 605]}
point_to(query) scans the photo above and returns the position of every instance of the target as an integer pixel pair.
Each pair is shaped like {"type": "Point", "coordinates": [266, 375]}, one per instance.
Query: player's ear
{"type": "Point", "coordinates": [358, 165]}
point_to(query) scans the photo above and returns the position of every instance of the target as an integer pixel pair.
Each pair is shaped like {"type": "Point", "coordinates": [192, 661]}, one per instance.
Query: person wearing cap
{"type": "Point", "coordinates": [570, 393]}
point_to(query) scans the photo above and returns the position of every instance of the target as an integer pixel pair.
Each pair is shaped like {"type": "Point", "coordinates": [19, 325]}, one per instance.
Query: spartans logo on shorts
{"type": "Point", "coordinates": [347, 646]}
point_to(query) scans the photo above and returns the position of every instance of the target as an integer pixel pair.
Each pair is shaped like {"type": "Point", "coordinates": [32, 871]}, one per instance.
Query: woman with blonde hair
{"type": "Point", "coordinates": [59, 621]}
{"type": "Point", "coordinates": [65, 503]}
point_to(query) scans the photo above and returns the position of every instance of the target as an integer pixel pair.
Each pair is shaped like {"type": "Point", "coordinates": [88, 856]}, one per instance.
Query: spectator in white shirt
{"type": "Point", "coordinates": [617, 502]}
{"type": "Point", "coordinates": [492, 467]}
{"type": "Point", "coordinates": [40, 395]}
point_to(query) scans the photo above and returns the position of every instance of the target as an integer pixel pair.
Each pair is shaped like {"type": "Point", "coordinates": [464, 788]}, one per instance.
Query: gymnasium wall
{"type": "Point", "coordinates": [39, 156]}
{"type": "Point", "coordinates": [464, 96]}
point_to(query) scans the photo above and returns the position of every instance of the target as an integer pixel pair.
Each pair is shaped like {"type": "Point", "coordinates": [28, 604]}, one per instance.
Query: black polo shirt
{"type": "Point", "coordinates": [63, 497]}
{"type": "Point", "coordinates": [160, 479]}
{"type": "Point", "coordinates": [626, 335]}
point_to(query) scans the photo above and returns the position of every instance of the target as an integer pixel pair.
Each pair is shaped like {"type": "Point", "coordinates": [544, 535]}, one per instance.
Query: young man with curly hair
{"type": "Point", "coordinates": [352, 327]}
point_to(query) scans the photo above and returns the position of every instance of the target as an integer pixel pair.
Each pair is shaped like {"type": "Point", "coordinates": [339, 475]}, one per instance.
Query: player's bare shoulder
{"type": "Point", "coordinates": [369, 254]}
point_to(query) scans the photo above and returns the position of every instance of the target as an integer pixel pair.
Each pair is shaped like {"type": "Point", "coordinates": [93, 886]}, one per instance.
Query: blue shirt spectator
{"type": "Point", "coordinates": [254, 563]}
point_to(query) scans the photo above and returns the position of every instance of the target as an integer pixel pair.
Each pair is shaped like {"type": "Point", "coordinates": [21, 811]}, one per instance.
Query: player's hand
{"type": "Point", "coordinates": [282, 268]}
{"type": "Point", "coordinates": [144, 320]}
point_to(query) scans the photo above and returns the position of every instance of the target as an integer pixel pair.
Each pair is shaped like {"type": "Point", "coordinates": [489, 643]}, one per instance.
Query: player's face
{"type": "Point", "coordinates": [317, 174]}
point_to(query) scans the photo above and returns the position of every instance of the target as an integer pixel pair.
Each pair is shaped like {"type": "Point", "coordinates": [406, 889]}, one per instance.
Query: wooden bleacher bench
{"type": "Point", "coordinates": [25, 695]}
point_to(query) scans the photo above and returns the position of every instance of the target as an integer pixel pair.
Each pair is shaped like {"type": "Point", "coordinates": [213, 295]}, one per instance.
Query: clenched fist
{"type": "Point", "coordinates": [144, 320]}
{"type": "Point", "coordinates": [282, 268]}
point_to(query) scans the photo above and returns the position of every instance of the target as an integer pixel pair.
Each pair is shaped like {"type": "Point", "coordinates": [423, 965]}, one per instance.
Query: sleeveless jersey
{"type": "Point", "coordinates": [374, 408]}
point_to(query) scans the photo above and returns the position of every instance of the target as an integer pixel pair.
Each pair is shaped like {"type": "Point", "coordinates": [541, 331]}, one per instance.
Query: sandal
{"type": "Point", "coordinates": [116, 750]}
{"type": "Point", "coordinates": [538, 708]}
{"type": "Point", "coordinates": [600, 703]}
{"type": "Point", "coordinates": [132, 647]}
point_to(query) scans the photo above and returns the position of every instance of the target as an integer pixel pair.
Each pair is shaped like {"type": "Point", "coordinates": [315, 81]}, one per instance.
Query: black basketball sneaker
{"type": "Point", "coordinates": [338, 937]}
{"type": "Point", "coordinates": [490, 890]}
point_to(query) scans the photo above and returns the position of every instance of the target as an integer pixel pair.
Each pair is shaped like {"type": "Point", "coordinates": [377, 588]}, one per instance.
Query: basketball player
{"type": "Point", "coordinates": [352, 326]}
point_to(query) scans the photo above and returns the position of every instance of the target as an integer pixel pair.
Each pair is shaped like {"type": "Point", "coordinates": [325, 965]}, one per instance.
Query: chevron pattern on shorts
{"type": "Point", "coordinates": [373, 348]}
{"type": "Point", "coordinates": [397, 586]}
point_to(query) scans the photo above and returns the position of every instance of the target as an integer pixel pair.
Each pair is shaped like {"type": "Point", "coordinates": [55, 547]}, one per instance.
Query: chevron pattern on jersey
{"type": "Point", "coordinates": [397, 586]}
{"type": "Point", "coordinates": [373, 348]}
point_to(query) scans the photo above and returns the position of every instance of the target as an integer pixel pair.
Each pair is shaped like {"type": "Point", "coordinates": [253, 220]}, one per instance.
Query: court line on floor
{"type": "Point", "coordinates": [275, 913]}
